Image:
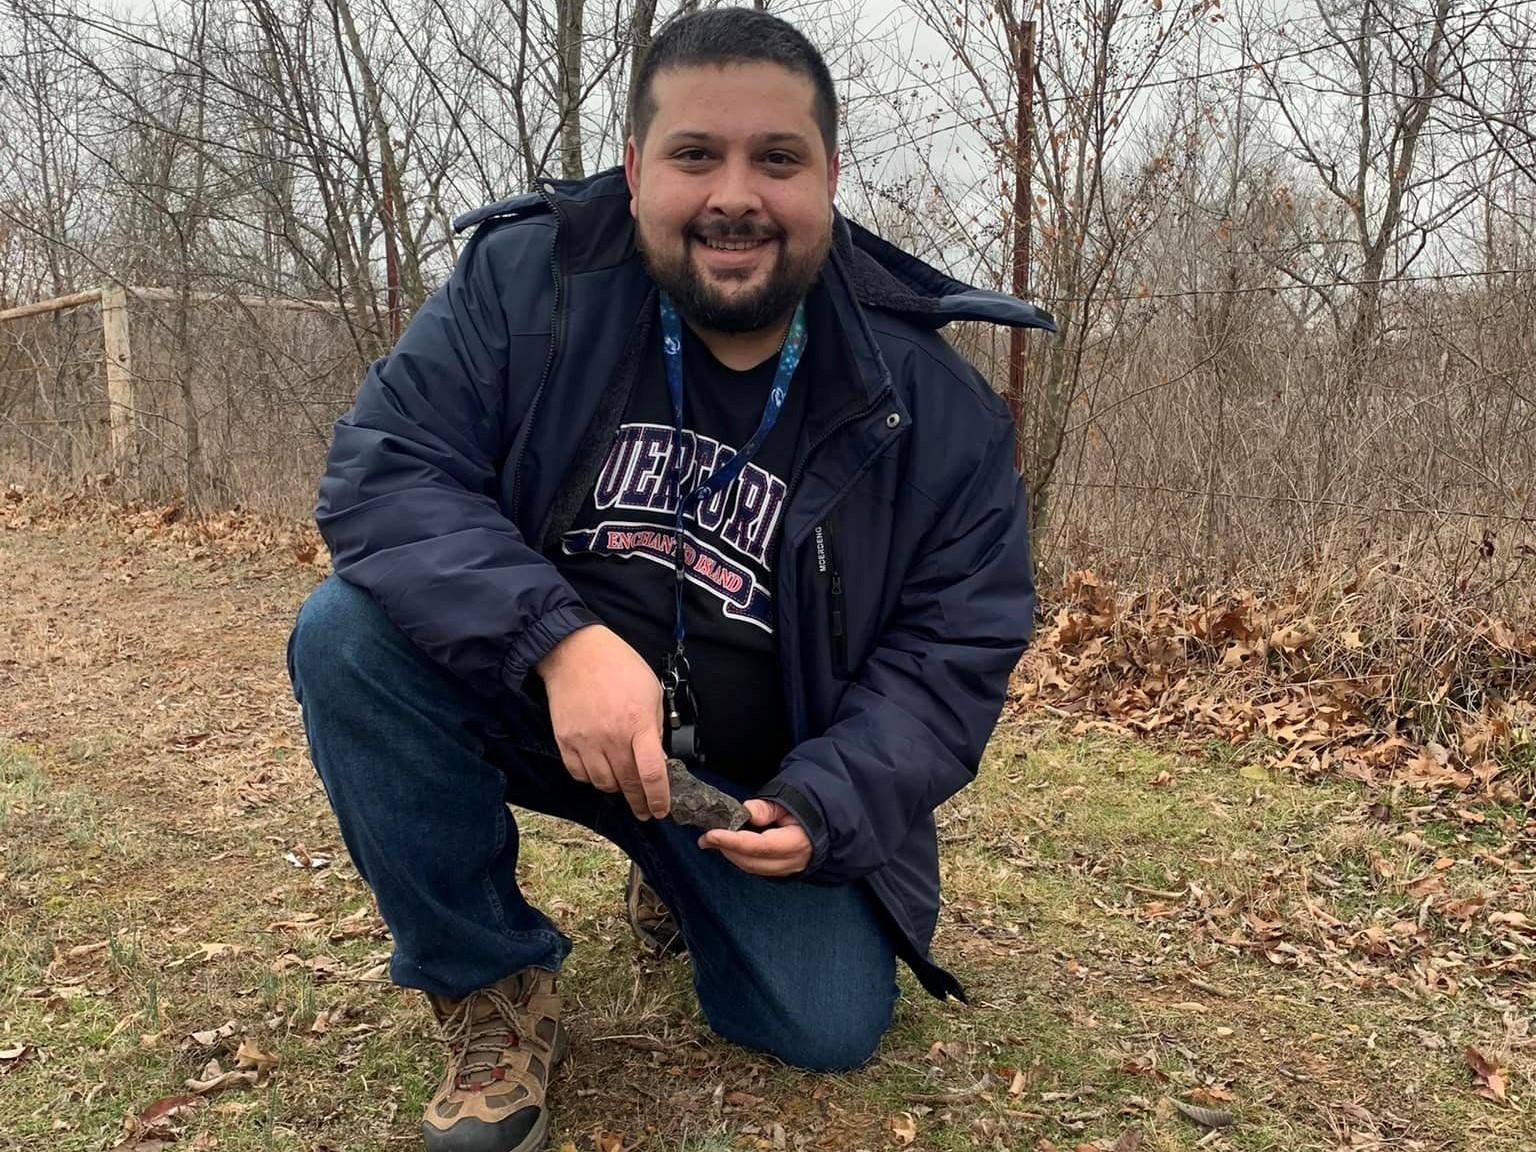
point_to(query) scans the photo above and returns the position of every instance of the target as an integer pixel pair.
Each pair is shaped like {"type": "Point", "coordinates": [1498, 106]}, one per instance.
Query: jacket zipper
{"type": "Point", "coordinates": [839, 631]}
{"type": "Point", "coordinates": [549, 358]}
{"type": "Point", "coordinates": [887, 389]}
{"type": "Point", "coordinates": [837, 612]}
{"type": "Point", "coordinates": [787, 549]}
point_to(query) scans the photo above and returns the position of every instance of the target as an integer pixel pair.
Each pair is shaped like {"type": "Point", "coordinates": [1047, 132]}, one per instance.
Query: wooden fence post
{"type": "Point", "coordinates": [122, 409]}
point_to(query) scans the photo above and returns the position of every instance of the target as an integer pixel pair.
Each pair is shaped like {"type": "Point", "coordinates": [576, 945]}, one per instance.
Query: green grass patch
{"type": "Point", "coordinates": [1090, 886]}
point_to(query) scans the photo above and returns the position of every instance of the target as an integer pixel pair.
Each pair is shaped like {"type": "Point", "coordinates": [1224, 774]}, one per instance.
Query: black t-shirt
{"type": "Point", "coordinates": [619, 554]}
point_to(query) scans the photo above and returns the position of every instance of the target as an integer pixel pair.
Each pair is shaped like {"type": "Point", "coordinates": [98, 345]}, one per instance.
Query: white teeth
{"type": "Point", "coordinates": [732, 245]}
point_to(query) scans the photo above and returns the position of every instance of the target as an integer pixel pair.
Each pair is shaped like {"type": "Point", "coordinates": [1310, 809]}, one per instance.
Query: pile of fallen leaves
{"type": "Point", "coordinates": [1419, 694]}
{"type": "Point", "coordinates": [233, 532]}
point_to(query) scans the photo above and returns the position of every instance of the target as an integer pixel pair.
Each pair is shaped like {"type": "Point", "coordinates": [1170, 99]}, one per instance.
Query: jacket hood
{"type": "Point", "coordinates": [880, 274]}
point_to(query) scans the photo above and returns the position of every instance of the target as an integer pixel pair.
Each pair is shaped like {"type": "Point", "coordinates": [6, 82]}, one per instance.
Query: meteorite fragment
{"type": "Point", "coordinates": [699, 804]}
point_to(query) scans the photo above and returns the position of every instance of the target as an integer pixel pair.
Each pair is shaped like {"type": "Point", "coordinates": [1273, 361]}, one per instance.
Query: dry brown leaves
{"type": "Point", "coordinates": [1492, 1078]}
{"type": "Point", "coordinates": [221, 533]}
{"type": "Point", "coordinates": [159, 1124]}
{"type": "Point", "coordinates": [156, 1127]}
{"type": "Point", "coordinates": [12, 1057]}
{"type": "Point", "coordinates": [1435, 703]}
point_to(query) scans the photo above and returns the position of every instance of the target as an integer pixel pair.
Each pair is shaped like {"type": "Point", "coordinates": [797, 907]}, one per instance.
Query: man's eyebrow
{"type": "Point", "coordinates": [763, 140]}
{"type": "Point", "coordinates": [769, 139]}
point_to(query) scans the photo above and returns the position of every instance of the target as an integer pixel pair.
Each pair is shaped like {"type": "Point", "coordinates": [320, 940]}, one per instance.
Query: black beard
{"type": "Point", "coordinates": [705, 307]}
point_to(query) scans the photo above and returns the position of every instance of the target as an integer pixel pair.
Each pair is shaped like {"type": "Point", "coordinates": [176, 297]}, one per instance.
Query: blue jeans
{"type": "Point", "coordinates": [420, 771]}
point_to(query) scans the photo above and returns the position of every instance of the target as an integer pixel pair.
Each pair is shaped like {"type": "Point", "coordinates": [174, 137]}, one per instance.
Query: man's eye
{"type": "Point", "coordinates": [779, 159]}
{"type": "Point", "coordinates": [691, 155]}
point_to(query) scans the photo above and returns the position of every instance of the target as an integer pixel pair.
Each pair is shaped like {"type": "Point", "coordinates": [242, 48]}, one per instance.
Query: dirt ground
{"type": "Point", "coordinates": [1166, 947]}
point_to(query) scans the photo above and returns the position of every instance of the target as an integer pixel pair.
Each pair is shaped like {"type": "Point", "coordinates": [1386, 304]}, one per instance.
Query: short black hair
{"type": "Point", "coordinates": [721, 36]}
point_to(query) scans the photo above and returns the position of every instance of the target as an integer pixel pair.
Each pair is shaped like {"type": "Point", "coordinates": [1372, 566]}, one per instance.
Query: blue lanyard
{"type": "Point", "coordinates": [672, 349]}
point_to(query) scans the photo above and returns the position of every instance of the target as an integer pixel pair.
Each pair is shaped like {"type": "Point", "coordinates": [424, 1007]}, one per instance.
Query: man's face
{"type": "Point", "coordinates": [732, 193]}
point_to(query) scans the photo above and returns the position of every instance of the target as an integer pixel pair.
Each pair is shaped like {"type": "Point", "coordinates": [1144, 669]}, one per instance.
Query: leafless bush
{"type": "Point", "coordinates": [265, 386]}
{"type": "Point", "coordinates": [53, 403]}
{"type": "Point", "coordinates": [1292, 250]}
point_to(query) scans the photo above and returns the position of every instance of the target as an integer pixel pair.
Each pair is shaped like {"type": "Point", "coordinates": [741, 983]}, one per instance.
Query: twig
{"type": "Point", "coordinates": [642, 1042]}
{"type": "Point", "coordinates": [946, 1097]}
{"type": "Point", "coordinates": [1206, 986]}
{"type": "Point", "coordinates": [1159, 892]}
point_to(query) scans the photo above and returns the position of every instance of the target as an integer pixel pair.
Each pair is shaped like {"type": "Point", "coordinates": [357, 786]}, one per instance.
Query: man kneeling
{"type": "Point", "coordinates": [675, 464]}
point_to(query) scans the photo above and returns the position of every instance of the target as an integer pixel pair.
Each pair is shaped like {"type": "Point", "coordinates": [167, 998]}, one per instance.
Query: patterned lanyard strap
{"type": "Point", "coordinates": [721, 478]}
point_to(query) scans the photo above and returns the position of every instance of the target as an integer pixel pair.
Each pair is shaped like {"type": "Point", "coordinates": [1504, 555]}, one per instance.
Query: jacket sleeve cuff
{"type": "Point", "coordinates": [805, 810]}
{"type": "Point", "coordinates": [539, 639]}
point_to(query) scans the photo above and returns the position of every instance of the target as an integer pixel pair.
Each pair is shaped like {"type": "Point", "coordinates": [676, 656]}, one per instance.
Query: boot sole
{"type": "Point", "coordinates": [483, 1138]}
{"type": "Point", "coordinates": [538, 1137]}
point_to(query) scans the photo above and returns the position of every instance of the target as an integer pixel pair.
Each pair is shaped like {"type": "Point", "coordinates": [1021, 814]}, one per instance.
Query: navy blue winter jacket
{"type": "Point", "coordinates": [905, 594]}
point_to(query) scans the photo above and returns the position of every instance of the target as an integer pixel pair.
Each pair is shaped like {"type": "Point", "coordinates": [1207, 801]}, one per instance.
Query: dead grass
{"type": "Point", "coordinates": [1136, 923]}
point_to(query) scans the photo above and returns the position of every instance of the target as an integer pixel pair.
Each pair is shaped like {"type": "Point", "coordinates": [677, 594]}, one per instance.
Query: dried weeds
{"type": "Point", "coordinates": [1436, 700]}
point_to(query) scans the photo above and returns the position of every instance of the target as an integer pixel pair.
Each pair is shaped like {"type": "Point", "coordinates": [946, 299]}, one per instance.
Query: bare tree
{"type": "Point", "coordinates": [641, 21]}
{"type": "Point", "coordinates": [1224, 388]}
{"type": "Point", "coordinates": [568, 47]}
{"type": "Point", "coordinates": [1092, 65]}
{"type": "Point", "coordinates": [1355, 104]}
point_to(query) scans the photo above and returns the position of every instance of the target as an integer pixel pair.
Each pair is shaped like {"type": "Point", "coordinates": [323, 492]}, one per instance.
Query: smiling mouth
{"type": "Point", "coordinates": [729, 245]}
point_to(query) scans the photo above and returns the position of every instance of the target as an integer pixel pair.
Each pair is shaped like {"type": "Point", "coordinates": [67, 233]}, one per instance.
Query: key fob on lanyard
{"type": "Point", "coordinates": [680, 712]}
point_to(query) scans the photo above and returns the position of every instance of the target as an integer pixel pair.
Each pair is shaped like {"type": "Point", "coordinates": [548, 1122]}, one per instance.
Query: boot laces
{"type": "Point", "coordinates": [478, 1032]}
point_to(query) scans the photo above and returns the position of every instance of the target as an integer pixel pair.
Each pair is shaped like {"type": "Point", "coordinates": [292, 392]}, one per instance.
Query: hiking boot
{"type": "Point", "coordinates": [503, 1043]}
{"type": "Point", "coordinates": [653, 923]}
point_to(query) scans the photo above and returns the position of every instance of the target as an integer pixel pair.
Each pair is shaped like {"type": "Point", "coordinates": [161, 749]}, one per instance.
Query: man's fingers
{"type": "Point", "coordinates": [634, 793]}
{"type": "Point", "coordinates": [651, 767]}
{"type": "Point", "coordinates": [760, 867]}
{"type": "Point", "coordinates": [764, 813]}
{"type": "Point", "coordinates": [599, 771]}
{"type": "Point", "coordinates": [620, 753]}
{"type": "Point", "coordinates": [784, 850]}
{"type": "Point", "coordinates": [573, 764]}
{"type": "Point", "coordinates": [776, 843]}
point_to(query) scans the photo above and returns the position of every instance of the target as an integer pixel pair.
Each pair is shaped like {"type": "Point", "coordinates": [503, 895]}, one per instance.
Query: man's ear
{"type": "Point", "coordinates": [834, 169]}
{"type": "Point", "coordinates": [632, 172]}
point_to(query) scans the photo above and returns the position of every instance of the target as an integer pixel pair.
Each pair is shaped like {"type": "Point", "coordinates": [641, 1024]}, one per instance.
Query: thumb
{"type": "Point", "coordinates": [765, 813]}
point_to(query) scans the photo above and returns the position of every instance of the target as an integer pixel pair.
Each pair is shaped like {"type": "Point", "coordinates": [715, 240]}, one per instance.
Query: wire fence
{"type": "Point", "coordinates": [1180, 459]}
{"type": "Point", "coordinates": [224, 401]}
{"type": "Point", "coordinates": [1177, 461]}
{"type": "Point", "coordinates": [1186, 450]}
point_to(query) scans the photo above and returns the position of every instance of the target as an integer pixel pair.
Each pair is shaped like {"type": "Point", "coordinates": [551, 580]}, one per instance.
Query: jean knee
{"type": "Point", "coordinates": [330, 637]}
{"type": "Point", "coordinates": [818, 1040]}
{"type": "Point", "coordinates": [831, 1046]}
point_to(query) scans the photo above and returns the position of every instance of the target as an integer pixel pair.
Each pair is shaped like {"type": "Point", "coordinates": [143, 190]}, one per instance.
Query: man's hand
{"type": "Point", "coordinates": [605, 707]}
{"type": "Point", "coordinates": [782, 849]}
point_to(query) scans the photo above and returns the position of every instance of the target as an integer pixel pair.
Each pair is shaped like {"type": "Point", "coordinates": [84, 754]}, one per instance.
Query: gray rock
{"type": "Point", "coordinates": [699, 804]}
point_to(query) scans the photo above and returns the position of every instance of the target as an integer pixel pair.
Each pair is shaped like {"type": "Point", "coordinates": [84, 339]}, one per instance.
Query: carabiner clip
{"type": "Point", "coordinates": [682, 733]}
{"type": "Point", "coordinates": [673, 679]}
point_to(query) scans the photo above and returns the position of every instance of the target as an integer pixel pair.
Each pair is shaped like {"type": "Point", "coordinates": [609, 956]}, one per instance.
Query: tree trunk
{"type": "Point", "coordinates": [639, 42]}
{"type": "Point", "coordinates": [568, 14]}
{"type": "Point", "coordinates": [400, 235]}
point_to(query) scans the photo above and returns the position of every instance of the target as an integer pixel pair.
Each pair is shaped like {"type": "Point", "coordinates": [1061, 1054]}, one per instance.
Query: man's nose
{"type": "Point", "coordinates": [734, 192]}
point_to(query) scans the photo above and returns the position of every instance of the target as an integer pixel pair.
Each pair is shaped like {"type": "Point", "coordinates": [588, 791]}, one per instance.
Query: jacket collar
{"type": "Point", "coordinates": [862, 271]}
{"type": "Point", "coordinates": [877, 273]}
{"type": "Point", "coordinates": [886, 278]}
